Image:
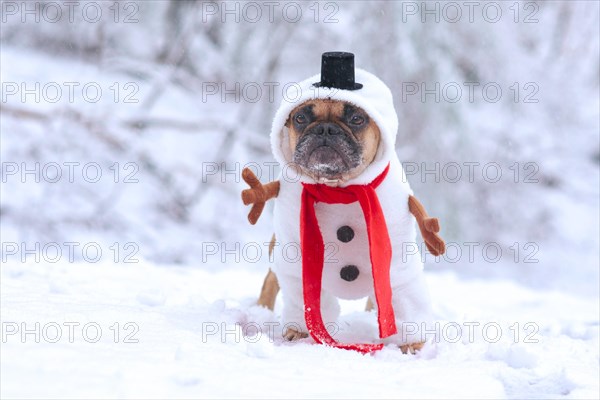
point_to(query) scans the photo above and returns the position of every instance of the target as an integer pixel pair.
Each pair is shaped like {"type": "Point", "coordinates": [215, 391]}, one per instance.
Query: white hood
{"type": "Point", "coordinates": [374, 97]}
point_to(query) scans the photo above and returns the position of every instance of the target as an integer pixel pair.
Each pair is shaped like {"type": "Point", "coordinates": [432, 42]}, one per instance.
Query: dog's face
{"type": "Point", "coordinates": [332, 141]}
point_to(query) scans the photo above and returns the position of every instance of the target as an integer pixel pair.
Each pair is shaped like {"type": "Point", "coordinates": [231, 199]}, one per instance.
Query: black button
{"type": "Point", "coordinates": [349, 273]}
{"type": "Point", "coordinates": [345, 234]}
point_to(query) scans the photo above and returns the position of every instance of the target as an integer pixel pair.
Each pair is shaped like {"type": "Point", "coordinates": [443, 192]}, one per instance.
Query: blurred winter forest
{"type": "Point", "coordinates": [181, 114]}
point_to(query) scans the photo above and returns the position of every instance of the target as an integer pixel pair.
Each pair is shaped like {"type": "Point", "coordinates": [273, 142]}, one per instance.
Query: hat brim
{"type": "Point", "coordinates": [356, 86]}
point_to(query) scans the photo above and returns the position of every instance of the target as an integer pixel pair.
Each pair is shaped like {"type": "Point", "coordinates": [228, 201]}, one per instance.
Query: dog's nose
{"type": "Point", "coordinates": [328, 129]}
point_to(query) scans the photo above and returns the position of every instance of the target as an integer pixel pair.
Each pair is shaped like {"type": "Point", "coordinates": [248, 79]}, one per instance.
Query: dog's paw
{"type": "Point", "coordinates": [411, 348]}
{"type": "Point", "coordinates": [292, 334]}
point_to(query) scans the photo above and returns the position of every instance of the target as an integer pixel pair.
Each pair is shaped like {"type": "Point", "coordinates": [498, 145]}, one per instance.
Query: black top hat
{"type": "Point", "coordinates": [337, 71]}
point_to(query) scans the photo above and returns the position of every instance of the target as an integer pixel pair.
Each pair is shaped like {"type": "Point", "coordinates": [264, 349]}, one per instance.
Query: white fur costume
{"type": "Point", "coordinates": [410, 298]}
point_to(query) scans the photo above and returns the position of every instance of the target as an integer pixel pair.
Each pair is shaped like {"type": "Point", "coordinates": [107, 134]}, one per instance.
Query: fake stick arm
{"type": "Point", "coordinates": [258, 194]}
{"type": "Point", "coordinates": [428, 226]}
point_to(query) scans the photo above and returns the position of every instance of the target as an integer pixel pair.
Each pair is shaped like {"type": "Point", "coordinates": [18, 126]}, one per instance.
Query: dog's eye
{"type": "Point", "coordinates": [300, 118]}
{"type": "Point", "coordinates": [357, 120]}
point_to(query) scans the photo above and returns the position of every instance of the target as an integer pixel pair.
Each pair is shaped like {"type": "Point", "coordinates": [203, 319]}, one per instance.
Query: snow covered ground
{"type": "Point", "coordinates": [177, 338]}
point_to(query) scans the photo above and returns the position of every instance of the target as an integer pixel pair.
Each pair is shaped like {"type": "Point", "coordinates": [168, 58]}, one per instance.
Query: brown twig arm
{"type": "Point", "coordinates": [258, 194]}
{"type": "Point", "coordinates": [429, 227]}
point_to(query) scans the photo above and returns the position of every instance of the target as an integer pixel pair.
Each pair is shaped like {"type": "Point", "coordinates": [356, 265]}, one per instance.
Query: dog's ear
{"type": "Point", "coordinates": [287, 122]}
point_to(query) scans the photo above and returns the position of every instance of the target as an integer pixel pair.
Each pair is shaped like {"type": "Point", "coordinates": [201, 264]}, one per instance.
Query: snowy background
{"type": "Point", "coordinates": [125, 125]}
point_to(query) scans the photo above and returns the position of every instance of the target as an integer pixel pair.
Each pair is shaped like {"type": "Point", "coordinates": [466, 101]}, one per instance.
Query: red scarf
{"type": "Point", "coordinates": [313, 249]}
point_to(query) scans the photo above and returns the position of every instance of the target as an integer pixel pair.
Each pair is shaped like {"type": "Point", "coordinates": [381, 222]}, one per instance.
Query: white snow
{"type": "Point", "coordinates": [198, 334]}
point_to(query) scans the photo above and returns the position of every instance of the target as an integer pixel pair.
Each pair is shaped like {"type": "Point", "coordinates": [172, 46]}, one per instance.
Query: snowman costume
{"type": "Point", "coordinates": [352, 240]}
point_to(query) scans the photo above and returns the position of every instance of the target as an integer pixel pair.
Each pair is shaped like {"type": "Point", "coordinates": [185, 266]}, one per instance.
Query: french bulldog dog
{"type": "Point", "coordinates": [332, 141]}
{"type": "Point", "coordinates": [351, 192]}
